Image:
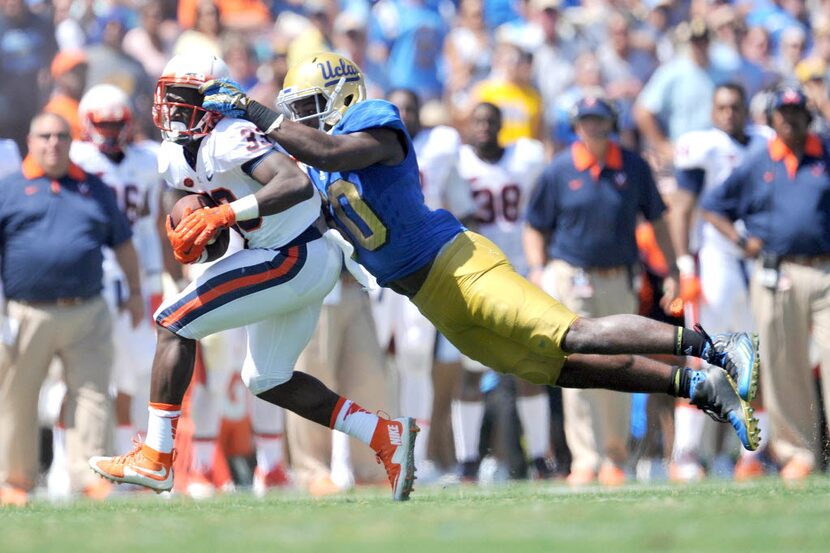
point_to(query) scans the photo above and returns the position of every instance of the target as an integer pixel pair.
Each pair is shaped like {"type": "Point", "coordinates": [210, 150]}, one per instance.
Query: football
{"type": "Point", "coordinates": [219, 245]}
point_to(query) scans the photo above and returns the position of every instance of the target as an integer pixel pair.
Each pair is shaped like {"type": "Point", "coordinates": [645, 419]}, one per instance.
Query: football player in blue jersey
{"type": "Point", "coordinates": [361, 158]}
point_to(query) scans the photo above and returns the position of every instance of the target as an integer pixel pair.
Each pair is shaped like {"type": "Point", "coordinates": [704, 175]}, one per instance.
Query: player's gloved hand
{"type": "Point", "coordinates": [224, 96]}
{"type": "Point", "coordinates": [183, 240]}
{"type": "Point", "coordinates": [207, 222]}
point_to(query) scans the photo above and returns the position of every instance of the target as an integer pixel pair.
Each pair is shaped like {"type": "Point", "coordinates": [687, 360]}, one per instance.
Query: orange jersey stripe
{"type": "Point", "coordinates": [202, 299]}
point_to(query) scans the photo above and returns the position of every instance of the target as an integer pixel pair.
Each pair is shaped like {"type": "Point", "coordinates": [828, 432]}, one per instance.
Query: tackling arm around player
{"type": "Point", "coordinates": [362, 159]}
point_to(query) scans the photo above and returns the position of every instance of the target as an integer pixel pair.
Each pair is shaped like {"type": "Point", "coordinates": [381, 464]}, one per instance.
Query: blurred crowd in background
{"type": "Point", "coordinates": [657, 61]}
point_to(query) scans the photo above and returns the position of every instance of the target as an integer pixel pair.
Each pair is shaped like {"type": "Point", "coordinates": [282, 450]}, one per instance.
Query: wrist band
{"type": "Point", "coordinates": [245, 208]}
{"type": "Point", "coordinates": [686, 264]}
{"type": "Point", "coordinates": [261, 116]}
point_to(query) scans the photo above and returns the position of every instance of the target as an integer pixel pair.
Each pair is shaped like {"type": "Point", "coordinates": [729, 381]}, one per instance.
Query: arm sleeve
{"type": "Point", "coordinates": [541, 207]}
{"type": "Point", "coordinates": [726, 198]}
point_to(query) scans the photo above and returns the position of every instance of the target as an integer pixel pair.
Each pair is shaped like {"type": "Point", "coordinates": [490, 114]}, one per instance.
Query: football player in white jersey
{"type": "Point", "coordinates": [437, 150]}
{"type": "Point", "coordinates": [129, 169]}
{"type": "Point", "coordinates": [501, 180]}
{"type": "Point", "coordinates": [274, 287]}
{"type": "Point", "coordinates": [719, 299]}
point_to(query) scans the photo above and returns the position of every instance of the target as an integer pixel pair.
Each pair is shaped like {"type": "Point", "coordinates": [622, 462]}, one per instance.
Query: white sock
{"type": "Point", "coordinates": [124, 438]}
{"type": "Point", "coordinates": [204, 450]}
{"type": "Point", "coordinates": [688, 432]}
{"type": "Point", "coordinates": [58, 446]}
{"type": "Point", "coordinates": [534, 414]}
{"type": "Point", "coordinates": [269, 451]}
{"type": "Point", "coordinates": [161, 426]}
{"type": "Point", "coordinates": [466, 428]}
{"type": "Point", "coordinates": [341, 460]}
{"type": "Point", "coordinates": [416, 401]}
{"type": "Point", "coordinates": [354, 420]}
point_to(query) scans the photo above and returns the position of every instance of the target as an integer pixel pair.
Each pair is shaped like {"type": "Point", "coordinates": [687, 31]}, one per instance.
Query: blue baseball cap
{"type": "Point", "coordinates": [594, 106]}
{"type": "Point", "coordinates": [789, 96]}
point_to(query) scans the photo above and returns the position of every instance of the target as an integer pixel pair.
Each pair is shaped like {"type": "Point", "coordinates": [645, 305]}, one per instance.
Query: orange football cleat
{"type": "Point", "coordinates": [611, 475]}
{"type": "Point", "coordinates": [394, 445]}
{"type": "Point", "coordinates": [796, 470]}
{"type": "Point", "coordinates": [581, 477]}
{"type": "Point", "coordinates": [13, 496]}
{"type": "Point", "coordinates": [748, 468]}
{"type": "Point", "coordinates": [143, 466]}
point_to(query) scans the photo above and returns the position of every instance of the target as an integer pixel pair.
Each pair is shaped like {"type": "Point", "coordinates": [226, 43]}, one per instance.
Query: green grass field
{"type": "Point", "coordinates": [711, 517]}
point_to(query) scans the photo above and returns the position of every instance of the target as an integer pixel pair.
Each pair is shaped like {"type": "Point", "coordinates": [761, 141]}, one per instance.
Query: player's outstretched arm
{"type": "Point", "coordinates": [284, 185]}
{"type": "Point", "coordinates": [321, 150]}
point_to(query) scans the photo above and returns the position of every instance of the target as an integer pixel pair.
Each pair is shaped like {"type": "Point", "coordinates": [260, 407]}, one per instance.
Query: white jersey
{"type": "Point", "coordinates": [717, 154]}
{"type": "Point", "coordinates": [501, 191]}
{"type": "Point", "coordinates": [219, 173]}
{"type": "Point", "coordinates": [437, 151]}
{"type": "Point", "coordinates": [136, 184]}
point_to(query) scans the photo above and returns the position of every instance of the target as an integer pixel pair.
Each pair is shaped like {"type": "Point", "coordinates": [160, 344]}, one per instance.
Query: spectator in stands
{"type": "Point", "coordinates": [791, 47]}
{"type": "Point", "coordinates": [351, 39]}
{"type": "Point", "coordinates": [55, 220]}
{"type": "Point", "coordinates": [780, 193]}
{"type": "Point", "coordinates": [27, 45]}
{"type": "Point", "coordinates": [407, 37]}
{"type": "Point", "coordinates": [151, 43]}
{"type": "Point", "coordinates": [317, 37]}
{"type": "Point", "coordinates": [206, 32]}
{"type": "Point", "coordinates": [108, 63]}
{"type": "Point", "coordinates": [509, 88]}
{"type": "Point", "coordinates": [69, 70]}
{"type": "Point", "coordinates": [678, 97]}
{"type": "Point", "coordinates": [467, 52]}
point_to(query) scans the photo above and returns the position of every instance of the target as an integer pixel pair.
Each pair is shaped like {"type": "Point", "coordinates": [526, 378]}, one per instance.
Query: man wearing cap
{"type": "Point", "coordinates": [782, 194]}
{"type": "Point", "coordinates": [581, 248]}
{"type": "Point", "coordinates": [54, 220]}
{"type": "Point", "coordinates": [69, 69]}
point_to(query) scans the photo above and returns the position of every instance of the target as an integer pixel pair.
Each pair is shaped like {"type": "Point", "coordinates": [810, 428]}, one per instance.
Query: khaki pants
{"type": "Point", "coordinates": [344, 354]}
{"type": "Point", "coordinates": [80, 335]}
{"type": "Point", "coordinates": [785, 319]}
{"type": "Point", "coordinates": [596, 421]}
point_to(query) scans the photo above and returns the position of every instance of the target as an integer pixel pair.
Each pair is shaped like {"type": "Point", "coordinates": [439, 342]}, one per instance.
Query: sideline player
{"type": "Point", "coordinates": [274, 287]}
{"type": "Point", "coordinates": [501, 180]}
{"type": "Point", "coordinates": [362, 159]}
{"type": "Point", "coordinates": [129, 169]}
{"type": "Point", "coordinates": [703, 160]}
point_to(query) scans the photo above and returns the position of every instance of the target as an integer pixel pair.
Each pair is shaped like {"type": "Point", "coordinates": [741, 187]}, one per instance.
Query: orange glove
{"type": "Point", "coordinates": [182, 239]}
{"type": "Point", "coordinates": [205, 223]}
{"type": "Point", "coordinates": [690, 290]}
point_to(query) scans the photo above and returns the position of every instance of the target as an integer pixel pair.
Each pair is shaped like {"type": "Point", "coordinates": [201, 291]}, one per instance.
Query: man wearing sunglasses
{"type": "Point", "coordinates": [54, 221]}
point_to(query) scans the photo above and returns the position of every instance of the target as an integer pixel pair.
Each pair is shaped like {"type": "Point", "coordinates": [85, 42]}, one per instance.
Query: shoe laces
{"type": "Point", "coordinates": [135, 453]}
{"type": "Point", "coordinates": [709, 353]}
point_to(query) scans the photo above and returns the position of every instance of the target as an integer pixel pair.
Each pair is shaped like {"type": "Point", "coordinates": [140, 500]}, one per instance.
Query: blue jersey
{"type": "Point", "coordinates": [381, 209]}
